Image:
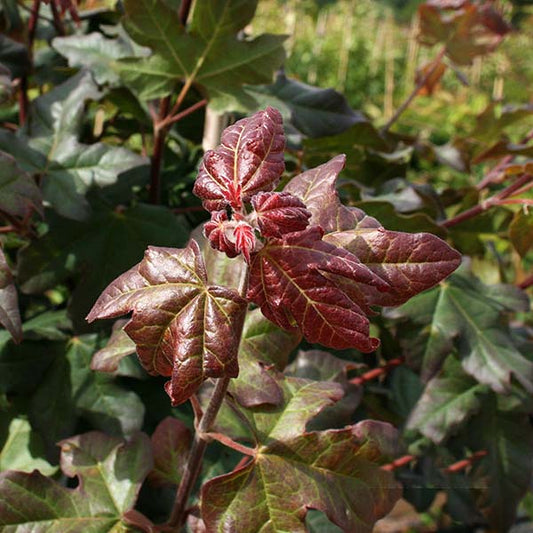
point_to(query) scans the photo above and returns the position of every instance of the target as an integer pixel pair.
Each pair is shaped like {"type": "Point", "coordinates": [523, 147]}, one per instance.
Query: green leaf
{"type": "Point", "coordinates": [96, 53]}
{"type": "Point", "coordinates": [48, 145]}
{"type": "Point", "coordinates": [466, 314]}
{"type": "Point", "coordinates": [263, 346]}
{"type": "Point", "coordinates": [335, 471]}
{"type": "Point", "coordinates": [87, 251]}
{"type": "Point", "coordinates": [208, 52]}
{"type": "Point", "coordinates": [447, 402]}
{"type": "Point", "coordinates": [110, 472]}
{"type": "Point", "coordinates": [18, 191]}
{"type": "Point", "coordinates": [22, 449]}
{"type": "Point", "coordinates": [9, 310]}
{"type": "Point", "coordinates": [71, 389]}
{"type": "Point", "coordinates": [521, 231]}
{"type": "Point", "coordinates": [14, 56]}
{"type": "Point", "coordinates": [313, 111]}
{"type": "Point", "coordinates": [503, 476]}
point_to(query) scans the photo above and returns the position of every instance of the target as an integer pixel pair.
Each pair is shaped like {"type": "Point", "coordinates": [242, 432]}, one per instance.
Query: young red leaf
{"type": "Point", "coordinates": [408, 262]}
{"type": "Point", "coordinates": [289, 280]}
{"type": "Point", "coordinates": [244, 239]}
{"type": "Point", "coordinates": [249, 160]}
{"type": "Point", "coordinates": [181, 326]}
{"type": "Point", "coordinates": [317, 190]}
{"type": "Point", "coordinates": [218, 231]}
{"type": "Point", "coordinates": [280, 213]}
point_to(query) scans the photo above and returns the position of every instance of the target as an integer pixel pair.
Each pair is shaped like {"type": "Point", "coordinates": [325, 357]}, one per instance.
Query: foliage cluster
{"type": "Point", "coordinates": [317, 334]}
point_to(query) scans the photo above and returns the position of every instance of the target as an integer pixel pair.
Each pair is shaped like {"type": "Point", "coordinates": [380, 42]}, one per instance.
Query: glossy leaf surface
{"type": "Point", "coordinates": [289, 280]}
{"type": "Point", "coordinates": [249, 160]}
{"type": "Point", "coordinates": [466, 314]}
{"type": "Point", "coordinates": [50, 147]}
{"type": "Point", "coordinates": [182, 327]}
{"type": "Point", "coordinates": [407, 262]}
{"type": "Point", "coordinates": [335, 471]}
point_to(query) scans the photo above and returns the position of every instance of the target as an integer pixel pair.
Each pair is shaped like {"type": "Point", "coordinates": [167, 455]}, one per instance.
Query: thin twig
{"type": "Point", "coordinates": [169, 120]}
{"type": "Point", "coordinates": [58, 23]}
{"type": "Point", "coordinates": [461, 465]}
{"type": "Point", "coordinates": [397, 463]}
{"type": "Point", "coordinates": [376, 372]}
{"type": "Point", "coordinates": [421, 82]}
{"type": "Point", "coordinates": [157, 155]}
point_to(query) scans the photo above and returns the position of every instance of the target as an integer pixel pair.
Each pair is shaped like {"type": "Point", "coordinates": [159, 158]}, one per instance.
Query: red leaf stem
{"type": "Point", "coordinates": [170, 119]}
{"type": "Point", "coordinates": [230, 443]}
{"type": "Point", "coordinates": [376, 372]}
{"type": "Point", "coordinates": [494, 173]}
{"type": "Point", "coordinates": [157, 155]}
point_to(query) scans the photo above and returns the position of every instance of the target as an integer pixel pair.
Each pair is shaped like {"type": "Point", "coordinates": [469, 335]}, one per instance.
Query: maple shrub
{"type": "Point", "coordinates": [313, 267]}
{"type": "Point", "coordinates": [212, 320]}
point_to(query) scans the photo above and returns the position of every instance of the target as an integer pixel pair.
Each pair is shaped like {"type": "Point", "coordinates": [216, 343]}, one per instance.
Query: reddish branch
{"type": "Point", "coordinates": [397, 463]}
{"type": "Point", "coordinates": [525, 284]}
{"type": "Point", "coordinates": [459, 466]}
{"type": "Point", "coordinates": [421, 82]}
{"type": "Point", "coordinates": [519, 186]}
{"type": "Point", "coordinates": [376, 372]}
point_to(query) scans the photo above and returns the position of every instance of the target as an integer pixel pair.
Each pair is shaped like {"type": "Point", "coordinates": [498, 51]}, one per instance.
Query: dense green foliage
{"type": "Point", "coordinates": [106, 111]}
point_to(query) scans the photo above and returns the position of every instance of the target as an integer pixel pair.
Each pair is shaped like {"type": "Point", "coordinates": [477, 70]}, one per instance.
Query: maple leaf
{"type": "Point", "coordinates": [248, 160]}
{"type": "Point", "coordinates": [182, 326]}
{"type": "Point", "coordinates": [408, 263]}
{"type": "Point", "coordinates": [279, 213]}
{"type": "Point", "coordinates": [289, 280]}
{"type": "Point", "coordinates": [335, 471]}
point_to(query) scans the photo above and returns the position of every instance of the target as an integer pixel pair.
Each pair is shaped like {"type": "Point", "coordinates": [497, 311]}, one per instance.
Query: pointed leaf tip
{"type": "Point", "coordinates": [248, 160]}
{"type": "Point", "coordinates": [181, 326]}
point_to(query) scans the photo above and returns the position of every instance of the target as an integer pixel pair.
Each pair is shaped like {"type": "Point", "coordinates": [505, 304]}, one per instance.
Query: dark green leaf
{"type": "Point", "coordinates": [521, 231]}
{"type": "Point", "coordinates": [87, 251]}
{"type": "Point", "coordinates": [447, 402]}
{"type": "Point", "coordinates": [9, 310]}
{"type": "Point", "coordinates": [313, 111]}
{"type": "Point", "coordinates": [465, 313]}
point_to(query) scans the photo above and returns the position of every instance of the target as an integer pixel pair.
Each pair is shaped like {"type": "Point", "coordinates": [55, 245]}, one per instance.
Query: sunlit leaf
{"type": "Point", "coordinates": [466, 314]}
{"type": "Point", "coordinates": [182, 326]}
{"type": "Point", "coordinates": [207, 52]}
{"type": "Point", "coordinates": [335, 471]}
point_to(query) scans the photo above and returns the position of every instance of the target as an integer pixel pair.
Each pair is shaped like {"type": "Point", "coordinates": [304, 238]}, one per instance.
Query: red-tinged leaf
{"type": "Point", "coordinates": [316, 189]}
{"type": "Point", "coordinates": [181, 326]}
{"type": "Point", "coordinates": [119, 346]}
{"type": "Point", "coordinates": [171, 441]}
{"type": "Point", "coordinates": [218, 232]}
{"type": "Point", "coordinates": [431, 73]}
{"type": "Point", "coordinates": [244, 239]}
{"type": "Point", "coordinates": [249, 160]}
{"type": "Point", "coordinates": [9, 310]}
{"type": "Point", "coordinates": [280, 213]}
{"type": "Point", "coordinates": [290, 281]}
{"type": "Point", "coordinates": [334, 471]}
{"type": "Point", "coordinates": [409, 262]}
